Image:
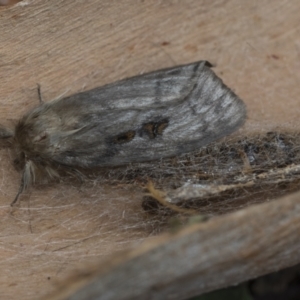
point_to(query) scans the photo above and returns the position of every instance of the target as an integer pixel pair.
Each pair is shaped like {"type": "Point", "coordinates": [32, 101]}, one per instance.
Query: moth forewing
{"type": "Point", "coordinates": [151, 116]}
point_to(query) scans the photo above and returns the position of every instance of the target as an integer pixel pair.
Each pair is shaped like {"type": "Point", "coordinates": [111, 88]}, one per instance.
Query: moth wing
{"type": "Point", "coordinates": [151, 116]}
{"type": "Point", "coordinates": [155, 89]}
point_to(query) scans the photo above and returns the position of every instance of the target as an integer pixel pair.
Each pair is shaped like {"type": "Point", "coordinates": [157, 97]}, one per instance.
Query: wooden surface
{"type": "Point", "coordinates": [223, 251]}
{"type": "Point", "coordinates": [70, 46]}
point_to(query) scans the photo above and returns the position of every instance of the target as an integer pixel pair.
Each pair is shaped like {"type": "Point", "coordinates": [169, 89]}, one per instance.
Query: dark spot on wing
{"type": "Point", "coordinates": [153, 129]}
{"type": "Point", "coordinates": [124, 137]}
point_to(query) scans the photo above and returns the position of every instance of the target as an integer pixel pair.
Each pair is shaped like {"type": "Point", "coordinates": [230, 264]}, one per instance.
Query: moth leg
{"type": "Point", "coordinates": [40, 93]}
{"type": "Point", "coordinates": [21, 189]}
{"type": "Point", "coordinates": [27, 178]}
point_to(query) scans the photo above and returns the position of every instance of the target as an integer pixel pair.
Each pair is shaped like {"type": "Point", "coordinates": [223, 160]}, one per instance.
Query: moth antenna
{"type": "Point", "coordinates": [40, 93]}
{"type": "Point", "coordinates": [27, 177]}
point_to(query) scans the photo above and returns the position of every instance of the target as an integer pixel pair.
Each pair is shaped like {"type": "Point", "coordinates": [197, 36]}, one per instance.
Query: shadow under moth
{"type": "Point", "coordinates": [161, 114]}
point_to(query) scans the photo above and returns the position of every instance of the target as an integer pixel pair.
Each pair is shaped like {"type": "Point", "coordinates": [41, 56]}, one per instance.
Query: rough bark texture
{"type": "Point", "coordinates": [70, 46]}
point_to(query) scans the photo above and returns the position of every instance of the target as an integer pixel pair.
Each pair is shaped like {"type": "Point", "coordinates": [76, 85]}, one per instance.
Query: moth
{"type": "Point", "coordinates": [143, 118]}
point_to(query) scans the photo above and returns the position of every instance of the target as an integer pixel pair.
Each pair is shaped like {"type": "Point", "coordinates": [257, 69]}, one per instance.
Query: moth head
{"type": "Point", "coordinates": [28, 167]}
{"type": "Point", "coordinates": [29, 142]}
{"type": "Point", "coordinates": [26, 141]}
